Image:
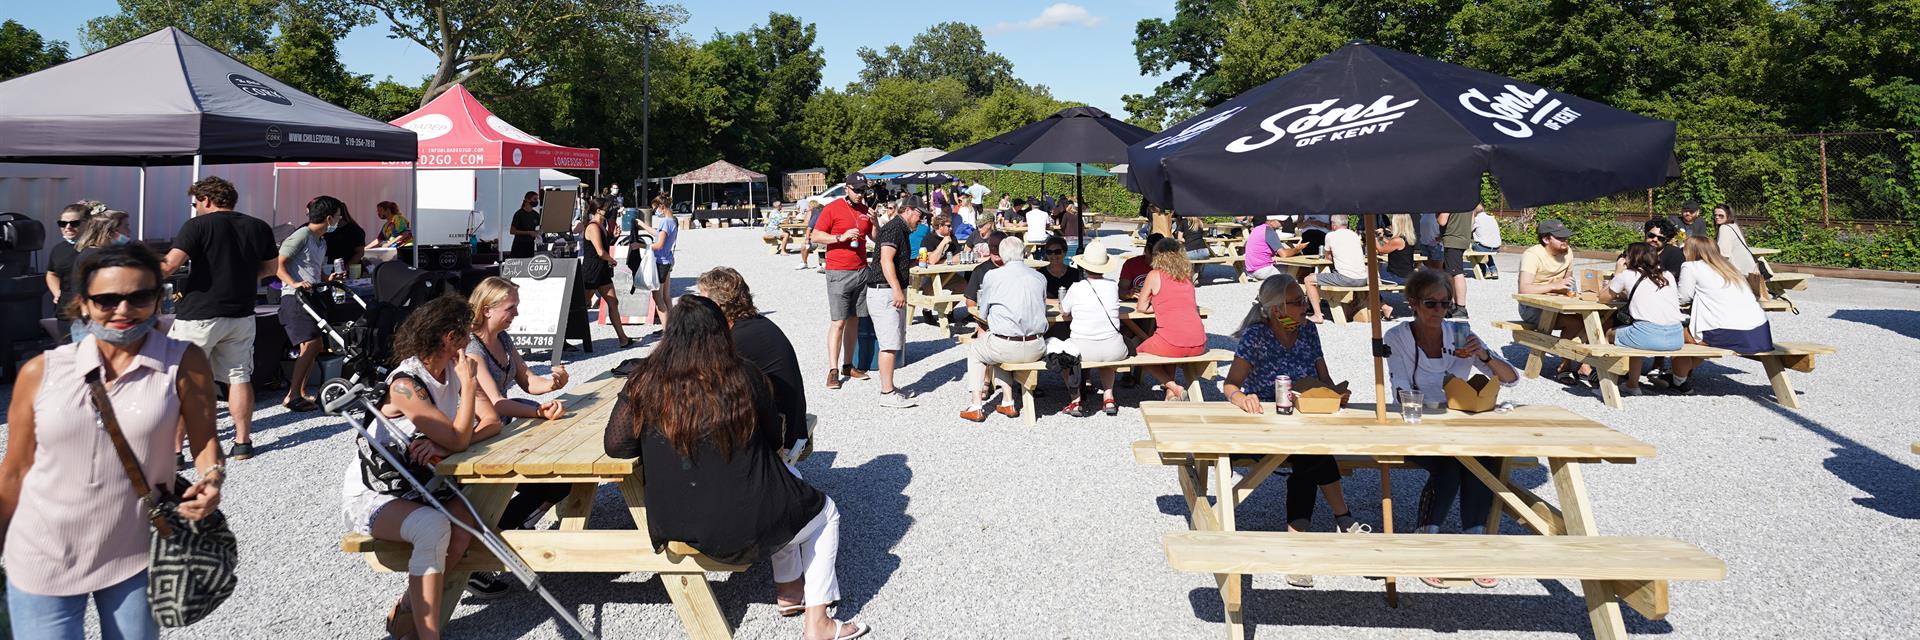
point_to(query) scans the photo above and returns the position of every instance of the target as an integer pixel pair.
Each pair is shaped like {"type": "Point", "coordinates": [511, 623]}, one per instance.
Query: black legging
{"type": "Point", "coordinates": [529, 498]}
{"type": "Point", "coordinates": [1309, 474]}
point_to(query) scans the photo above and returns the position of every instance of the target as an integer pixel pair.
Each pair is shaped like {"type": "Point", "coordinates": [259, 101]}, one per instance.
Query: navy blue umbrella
{"type": "Point", "coordinates": [1368, 129]}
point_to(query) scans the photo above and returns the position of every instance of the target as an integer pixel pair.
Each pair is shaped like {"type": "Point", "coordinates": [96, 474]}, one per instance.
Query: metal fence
{"type": "Point", "coordinates": [1862, 178]}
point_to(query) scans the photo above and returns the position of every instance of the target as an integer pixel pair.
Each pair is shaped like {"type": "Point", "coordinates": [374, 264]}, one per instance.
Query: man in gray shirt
{"type": "Point", "coordinates": [1013, 300]}
{"type": "Point", "coordinates": [303, 262]}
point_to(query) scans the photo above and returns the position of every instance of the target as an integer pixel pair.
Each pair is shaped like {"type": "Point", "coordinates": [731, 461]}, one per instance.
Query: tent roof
{"type": "Point", "coordinates": [457, 132]}
{"type": "Point", "coordinates": [165, 97]}
{"type": "Point", "coordinates": [719, 172]}
{"type": "Point", "coordinates": [921, 160]}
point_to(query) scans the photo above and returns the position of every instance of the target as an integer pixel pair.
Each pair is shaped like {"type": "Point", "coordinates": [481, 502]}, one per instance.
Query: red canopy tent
{"type": "Point", "coordinates": [457, 132]}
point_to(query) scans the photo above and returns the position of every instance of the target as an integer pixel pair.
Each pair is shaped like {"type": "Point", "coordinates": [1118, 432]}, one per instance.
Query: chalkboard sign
{"type": "Point", "coordinates": [545, 283]}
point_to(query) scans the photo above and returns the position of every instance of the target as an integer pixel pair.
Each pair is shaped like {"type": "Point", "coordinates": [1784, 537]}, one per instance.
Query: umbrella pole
{"type": "Point", "coordinates": [1373, 312]}
{"type": "Point", "coordinates": [1080, 207]}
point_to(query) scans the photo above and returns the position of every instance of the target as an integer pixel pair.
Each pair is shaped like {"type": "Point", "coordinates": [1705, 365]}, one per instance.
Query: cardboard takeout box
{"type": "Point", "coordinates": [1472, 395]}
{"type": "Point", "coordinates": [1317, 396]}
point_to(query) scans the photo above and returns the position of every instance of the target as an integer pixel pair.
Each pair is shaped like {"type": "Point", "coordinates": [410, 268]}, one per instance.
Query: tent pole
{"type": "Point", "coordinates": [143, 202]}
{"type": "Point", "coordinates": [1373, 315]}
{"type": "Point", "coordinates": [413, 194]}
{"type": "Point", "coordinates": [196, 167]}
{"type": "Point", "coordinates": [276, 194]}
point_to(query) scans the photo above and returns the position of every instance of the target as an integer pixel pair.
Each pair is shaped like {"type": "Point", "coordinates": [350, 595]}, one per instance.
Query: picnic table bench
{"type": "Point", "coordinates": [1480, 261]}
{"type": "Point", "coordinates": [569, 450]}
{"type": "Point", "coordinates": [938, 280]}
{"type": "Point", "coordinates": [1610, 361]}
{"type": "Point", "coordinates": [1198, 369]}
{"type": "Point", "coordinates": [792, 232]}
{"type": "Point", "coordinates": [1204, 439]}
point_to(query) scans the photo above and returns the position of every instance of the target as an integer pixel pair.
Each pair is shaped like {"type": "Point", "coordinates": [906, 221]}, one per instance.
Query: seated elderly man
{"type": "Point", "coordinates": [1013, 299]}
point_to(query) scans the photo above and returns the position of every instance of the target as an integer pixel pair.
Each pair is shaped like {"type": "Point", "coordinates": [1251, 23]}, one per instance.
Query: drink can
{"type": "Point", "coordinates": [1460, 333]}
{"type": "Point", "coordinates": [1283, 395]}
{"type": "Point", "coordinates": [339, 265]}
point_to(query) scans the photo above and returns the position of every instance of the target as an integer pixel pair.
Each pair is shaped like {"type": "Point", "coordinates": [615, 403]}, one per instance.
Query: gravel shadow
{"type": "Point", "coordinates": [1905, 322]}
{"type": "Point", "coordinates": [1559, 611]}
{"type": "Point", "coordinates": [1887, 482]}
{"type": "Point", "coordinates": [873, 504]}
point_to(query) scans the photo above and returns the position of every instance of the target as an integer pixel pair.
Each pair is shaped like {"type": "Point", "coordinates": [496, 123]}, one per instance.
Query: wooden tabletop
{"type": "Point", "coordinates": [1127, 312]}
{"type": "Point", "coordinates": [1562, 304]}
{"type": "Point", "coordinates": [790, 226]}
{"type": "Point", "coordinates": [1763, 252]}
{"type": "Point", "coordinates": [1526, 431]}
{"type": "Point", "coordinates": [950, 267]}
{"type": "Point", "coordinates": [570, 446]}
{"type": "Point", "coordinates": [1303, 261]}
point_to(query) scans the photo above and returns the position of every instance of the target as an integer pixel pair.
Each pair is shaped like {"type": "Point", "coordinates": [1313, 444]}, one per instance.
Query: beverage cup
{"type": "Point", "coordinates": [1411, 404]}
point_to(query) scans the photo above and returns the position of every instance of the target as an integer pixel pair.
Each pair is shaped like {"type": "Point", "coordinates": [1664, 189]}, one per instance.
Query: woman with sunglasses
{"type": "Point", "coordinates": [83, 533]}
{"type": "Point", "coordinates": [1277, 340]}
{"type": "Point", "coordinates": [1424, 353]}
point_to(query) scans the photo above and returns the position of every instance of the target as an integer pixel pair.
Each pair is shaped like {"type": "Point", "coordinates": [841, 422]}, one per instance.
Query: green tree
{"type": "Point", "coordinates": [947, 50]}
{"type": "Point", "coordinates": [1008, 108]}
{"type": "Point", "coordinates": [1189, 46]}
{"type": "Point", "coordinates": [786, 50]}
{"type": "Point", "coordinates": [241, 28]}
{"type": "Point", "coordinates": [23, 51]}
{"type": "Point", "coordinates": [471, 37]}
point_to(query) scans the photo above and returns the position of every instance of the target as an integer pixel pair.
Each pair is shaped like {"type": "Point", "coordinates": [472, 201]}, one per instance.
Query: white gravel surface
{"type": "Point", "coordinates": [952, 529]}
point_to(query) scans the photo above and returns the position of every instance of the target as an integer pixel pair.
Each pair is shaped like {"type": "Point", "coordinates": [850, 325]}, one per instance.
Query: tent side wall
{"type": "Point", "coordinates": [361, 189]}
{"type": "Point", "coordinates": [41, 190]}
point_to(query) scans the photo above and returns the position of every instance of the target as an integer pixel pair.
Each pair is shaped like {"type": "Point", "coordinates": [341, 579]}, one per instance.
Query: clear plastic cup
{"type": "Point", "coordinates": [1411, 404]}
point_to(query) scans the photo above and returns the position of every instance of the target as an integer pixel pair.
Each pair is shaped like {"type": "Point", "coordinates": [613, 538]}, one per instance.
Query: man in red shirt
{"type": "Point", "coordinates": [843, 227]}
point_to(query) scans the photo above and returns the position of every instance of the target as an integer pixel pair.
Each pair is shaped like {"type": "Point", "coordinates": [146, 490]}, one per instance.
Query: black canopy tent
{"type": "Point", "coordinates": [168, 99]}
{"type": "Point", "coordinates": [1078, 135]}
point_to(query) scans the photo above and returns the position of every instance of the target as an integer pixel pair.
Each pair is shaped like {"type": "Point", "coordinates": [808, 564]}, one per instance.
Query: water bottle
{"type": "Point", "coordinates": [1283, 395]}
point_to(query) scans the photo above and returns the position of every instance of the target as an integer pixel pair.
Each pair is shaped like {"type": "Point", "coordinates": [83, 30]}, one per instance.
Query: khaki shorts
{"type": "Point", "coordinates": [227, 341]}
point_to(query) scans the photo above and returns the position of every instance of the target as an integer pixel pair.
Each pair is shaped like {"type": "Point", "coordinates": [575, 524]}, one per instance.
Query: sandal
{"type": "Point", "coordinates": [300, 405]}
{"type": "Point", "coordinates": [1073, 409]}
{"type": "Point", "coordinates": [1436, 583]}
{"type": "Point", "coordinates": [1486, 583]}
{"type": "Point", "coordinates": [400, 620]}
{"type": "Point", "coordinates": [1109, 408]}
{"type": "Point", "coordinates": [1300, 581]}
{"type": "Point", "coordinates": [840, 630]}
{"type": "Point", "coordinates": [628, 342]}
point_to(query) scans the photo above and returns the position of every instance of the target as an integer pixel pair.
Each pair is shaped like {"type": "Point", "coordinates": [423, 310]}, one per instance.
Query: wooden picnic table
{"type": "Point", "coordinates": [1128, 311]}
{"type": "Point", "coordinates": [1610, 361]}
{"type": "Point", "coordinates": [794, 231]}
{"type": "Point", "coordinates": [571, 451]}
{"type": "Point", "coordinates": [931, 287]}
{"type": "Point", "coordinates": [1206, 440]}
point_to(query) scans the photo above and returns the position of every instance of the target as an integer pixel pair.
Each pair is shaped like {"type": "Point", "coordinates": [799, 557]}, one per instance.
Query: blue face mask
{"type": "Point", "coordinates": [120, 240]}
{"type": "Point", "coordinates": [333, 227]}
{"type": "Point", "coordinates": [122, 337]}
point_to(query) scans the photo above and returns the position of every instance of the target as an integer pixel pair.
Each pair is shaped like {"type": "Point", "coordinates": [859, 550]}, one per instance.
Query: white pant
{"type": "Point", "coordinates": [992, 349]}
{"type": "Point", "coordinates": [811, 555]}
{"type": "Point", "coordinates": [1264, 272]}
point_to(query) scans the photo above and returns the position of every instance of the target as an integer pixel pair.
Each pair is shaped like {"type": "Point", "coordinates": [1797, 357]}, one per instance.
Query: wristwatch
{"type": "Point", "coordinates": [1486, 357]}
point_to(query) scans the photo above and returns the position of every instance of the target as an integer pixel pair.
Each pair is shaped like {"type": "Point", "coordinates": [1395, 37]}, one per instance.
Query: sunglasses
{"type": "Point", "coordinates": [64, 224]}
{"type": "Point", "coordinates": [1445, 305]}
{"type": "Point", "coordinates": [1655, 236]}
{"type": "Point", "coordinates": [139, 299]}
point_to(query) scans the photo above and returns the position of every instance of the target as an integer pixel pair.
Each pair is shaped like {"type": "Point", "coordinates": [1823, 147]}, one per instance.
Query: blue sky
{"type": "Point", "coordinates": [1083, 50]}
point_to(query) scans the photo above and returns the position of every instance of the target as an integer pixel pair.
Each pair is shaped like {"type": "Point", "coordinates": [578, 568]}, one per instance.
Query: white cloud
{"type": "Point", "coordinates": [1059, 15]}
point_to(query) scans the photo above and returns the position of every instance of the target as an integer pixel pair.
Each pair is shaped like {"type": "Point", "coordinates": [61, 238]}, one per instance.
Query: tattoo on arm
{"type": "Point", "coordinates": [405, 389]}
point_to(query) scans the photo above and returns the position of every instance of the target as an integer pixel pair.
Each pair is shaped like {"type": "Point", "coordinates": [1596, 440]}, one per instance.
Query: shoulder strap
{"type": "Point", "coordinates": [103, 413]}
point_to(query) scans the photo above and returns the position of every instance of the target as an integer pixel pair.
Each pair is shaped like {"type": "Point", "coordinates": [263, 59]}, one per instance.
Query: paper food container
{"type": "Point", "coordinates": [1316, 396]}
{"type": "Point", "coordinates": [1472, 395]}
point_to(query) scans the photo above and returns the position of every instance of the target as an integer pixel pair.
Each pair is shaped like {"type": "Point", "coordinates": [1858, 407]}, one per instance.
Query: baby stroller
{"type": "Point", "coordinates": [397, 289]}
{"type": "Point", "coordinates": [343, 319]}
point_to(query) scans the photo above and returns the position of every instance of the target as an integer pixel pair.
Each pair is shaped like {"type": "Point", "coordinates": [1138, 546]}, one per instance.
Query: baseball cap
{"type": "Point", "coordinates": [857, 180]}
{"type": "Point", "coordinates": [1552, 227]}
{"type": "Point", "coordinates": [1690, 205]}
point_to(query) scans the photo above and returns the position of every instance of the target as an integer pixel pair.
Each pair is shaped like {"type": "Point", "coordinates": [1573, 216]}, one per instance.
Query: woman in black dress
{"type": "Point", "coordinates": [705, 426]}
{"type": "Point", "coordinates": [596, 266]}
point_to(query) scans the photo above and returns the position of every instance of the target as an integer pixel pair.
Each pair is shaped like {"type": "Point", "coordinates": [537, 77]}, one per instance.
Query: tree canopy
{"type": "Point", "coordinates": [23, 51]}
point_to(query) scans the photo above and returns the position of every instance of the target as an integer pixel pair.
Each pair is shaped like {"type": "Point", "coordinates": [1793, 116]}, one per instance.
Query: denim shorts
{"type": "Point", "coordinates": [1647, 336]}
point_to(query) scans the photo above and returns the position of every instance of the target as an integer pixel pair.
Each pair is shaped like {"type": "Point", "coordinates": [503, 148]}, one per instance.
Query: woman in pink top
{"type": "Point", "coordinates": [1168, 295]}
{"type": "Point", "coordinates": [73, 529]}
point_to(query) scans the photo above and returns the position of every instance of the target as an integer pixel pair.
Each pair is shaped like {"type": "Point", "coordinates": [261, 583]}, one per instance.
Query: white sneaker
{"type": "Point", "coordinates": [898, 399]}
{"type": "Point", "coordinates": [1359, 527]}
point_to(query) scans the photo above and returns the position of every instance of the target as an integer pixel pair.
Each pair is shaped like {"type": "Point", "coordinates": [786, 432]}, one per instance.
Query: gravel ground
{"type": "Point", "coordinates": [951, 529]}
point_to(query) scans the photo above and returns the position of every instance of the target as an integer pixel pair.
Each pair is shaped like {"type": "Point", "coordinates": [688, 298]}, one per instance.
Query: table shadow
{"type": "Point", "coordinates": [1905, 322]}
{"type": "Point", "coordinates": [1887, 482]}
{"type": "Point", "coordinates": [1561, 610]}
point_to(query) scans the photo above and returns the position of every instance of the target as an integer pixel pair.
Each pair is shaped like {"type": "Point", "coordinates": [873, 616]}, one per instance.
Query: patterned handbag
{"type": "Point", "coordinates": [190, 564]}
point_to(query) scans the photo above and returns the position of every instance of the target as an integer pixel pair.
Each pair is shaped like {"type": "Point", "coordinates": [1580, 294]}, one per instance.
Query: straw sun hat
{"type": "Point", "coordinates": [1095, 258]}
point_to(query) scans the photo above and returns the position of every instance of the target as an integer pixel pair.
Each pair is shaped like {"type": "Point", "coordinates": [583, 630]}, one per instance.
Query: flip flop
{"type": "Point", "coordinates": [300, 405]}
{"type": "Point", "coordinates": [838, 633]}
{"type": "Point", "coordinates": [1436, 583]}
{"type": "Point", "coordinates": [1486, 583]}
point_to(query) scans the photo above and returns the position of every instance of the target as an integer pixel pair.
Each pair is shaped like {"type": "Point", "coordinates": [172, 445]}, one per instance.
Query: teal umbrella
{"type": "Point", "coordinates": [1057, 167]}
